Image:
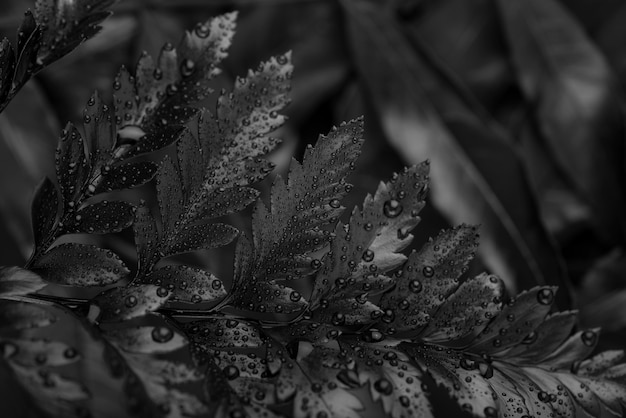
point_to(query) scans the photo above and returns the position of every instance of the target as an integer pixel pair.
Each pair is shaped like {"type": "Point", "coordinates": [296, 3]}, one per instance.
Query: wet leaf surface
{"type": "Point", "coordinates": [80, 265]}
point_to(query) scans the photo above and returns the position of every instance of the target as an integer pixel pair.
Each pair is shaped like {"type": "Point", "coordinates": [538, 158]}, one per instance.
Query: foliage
{"type": "Point", "coordinates": [317, 307]}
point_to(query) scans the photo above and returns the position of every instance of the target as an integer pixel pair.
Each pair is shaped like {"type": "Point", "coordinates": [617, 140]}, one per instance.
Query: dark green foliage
{"type": "Point", "coordinates": [319, 313]}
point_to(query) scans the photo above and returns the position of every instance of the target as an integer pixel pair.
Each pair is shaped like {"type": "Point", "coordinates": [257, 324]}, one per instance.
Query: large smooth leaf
{"type": "Point", "coordinates": [577, 103]}
{"type": "Point", "coordinates": [474, 169]}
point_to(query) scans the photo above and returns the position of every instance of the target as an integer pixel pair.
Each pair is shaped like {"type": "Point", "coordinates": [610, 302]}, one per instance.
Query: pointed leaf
{"type": "Point", "coordinates": [316, 185]}
{"type": "Point", "coordinates": [461, 316]}
{"type": "Point", "coordinates": [80, 265]}
{"type": "Point", "coordinates": [519, 317]}
{"type": "Point", "coordinates": [15, 281]}
{"type": "Point", "coordinates": [428, 277]}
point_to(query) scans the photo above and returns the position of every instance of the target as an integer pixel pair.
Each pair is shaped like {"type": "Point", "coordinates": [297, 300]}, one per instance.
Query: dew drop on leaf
{"type": "Point", "coordinates": [231, 372]}
{"type": "Point", "coordinates": [545, 296]}
{"type": "Point", "coordinates": [162, 334]}
{"type": "Point", "coordinates": [70, 353]}
{"type": "Point", "coordinates": [428, 271]}
{"type": "Point", "coordinates": [589, 338]}
{"type": "Point", "coordinates": [491, 412]}
{"type": "Point", "coordinates": [368, 256]}
{"type": "Point", "coordinates": [383, 386]}
{"type": "Point", "coordinates": [335, 203]}
{"type": "Point", "coordinates": [392, 208]}
{"type": "Point", "coordinates": [187, 67]}
{"type": "Point", "coordinates": [130, 301]}
{"type": "Point", "coordinates": [415, 286]}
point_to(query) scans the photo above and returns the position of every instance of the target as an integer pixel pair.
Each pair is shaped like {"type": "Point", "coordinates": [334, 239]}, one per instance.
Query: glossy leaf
{"type": "Point", "coordinates": [370, 245]}
{"type": "Point", "coordinates": [428, 277]}
{"type": "Point", "coordinates": [80, 265]}
{"type": "Point", "coordinates": [16, 281]}
{"type": "Point", "coordinates": [161, 93]}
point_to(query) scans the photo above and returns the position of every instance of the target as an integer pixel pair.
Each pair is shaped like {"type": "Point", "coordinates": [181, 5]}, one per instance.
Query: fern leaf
{"type": "Point", "coordinates": [428, 277]}
{"type": "Point", "coordinates": [284, 235]}
{"type": "Point", "coordinates": [180, 78]}
{"type": "Point", "coordinates": [393, 379]}
{"type": "Point", "coordinates": [363, 251]}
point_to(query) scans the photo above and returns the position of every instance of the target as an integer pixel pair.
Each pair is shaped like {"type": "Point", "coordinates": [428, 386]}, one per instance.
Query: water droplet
{"type": "Point", "coordinates": [202, 31]}
{"type": "Point", "coordinates": [392, 208]}
{"type": "Point", "coordinates": [295, 296]}
{"type": "Point", "coordinates": [70, 353]}
{"type": "Point", "coordinates": [231, 372]}
{"type": "Point", "coordinates": [404, 401]}
{"type": "Point", "coordinates": [543, 396]}
{"type": "Point", "coordinates": [415, 286]}
{"type": "Point", "coordinates": [491, 412]}
{"type": "Point", "coordinates": [589, 338]}
{"type": "Point", "coordinates": [187, 67]}
{"type": "Point", "coordinates": [368, 226]}
{"type": "Point", "coordinates": [338, 318]}
{"type": "Point", "coordinates": [162, 334]}
{"type": "Point", "coordinates": [368, 256]}
{"type": "Point", "coordinates": [545, 296]}
{"type": "Point", "coordinates": [335, 203]}
{"type": "Point", "coordinates": [131, 301]}
{"type": "Point", "coordinates": [428, 271]}
{"type": "Point", "coordinates": [467, 364]}
{"type": "Point", "coordinates": [315, 263]}
{"type": "Point", "coordinates": [162, 292]}
{"type": "Point", "coordinates": [383, 386]}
